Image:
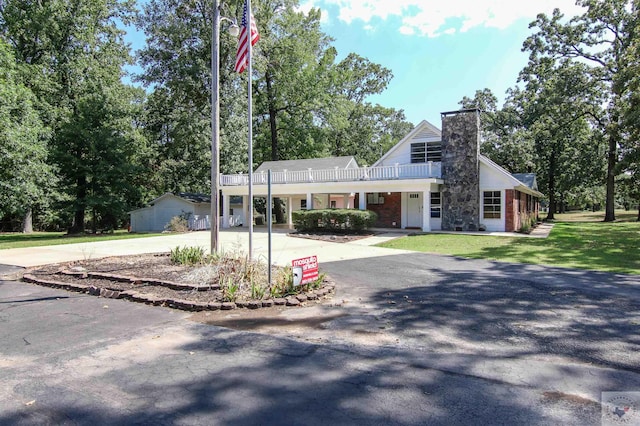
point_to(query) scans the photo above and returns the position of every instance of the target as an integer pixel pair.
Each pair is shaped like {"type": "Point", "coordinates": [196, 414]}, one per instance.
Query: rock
{"type": "Point", "coordinates": [241, 303]}
{"type": "Point", "coordinates": [312, 295]}
{"type": "Point", "coordinates": [267, 303]}
{"type": "Point", "coordinates": [279, 301]}
{"type": "Point", "coordinates": [254, 304]}
{"type": "Point", "coordinates": [227, 306]}
{"type": "Point", "coordinates": [292, 301]}
{"type": "Point", "coordinates": [301, 297]}
{"type": "Point", "coordinates": [214, 306]}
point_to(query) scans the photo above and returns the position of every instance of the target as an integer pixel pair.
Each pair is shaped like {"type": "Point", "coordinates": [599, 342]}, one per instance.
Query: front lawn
{"type": "Point", "coordinates": [578, 240]}
{"type": "Point", "coordinates": [37, 239]}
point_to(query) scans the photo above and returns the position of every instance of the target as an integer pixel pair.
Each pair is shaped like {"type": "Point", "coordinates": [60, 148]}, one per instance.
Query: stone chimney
{"type": "Point", "coordinates": [461, 170]}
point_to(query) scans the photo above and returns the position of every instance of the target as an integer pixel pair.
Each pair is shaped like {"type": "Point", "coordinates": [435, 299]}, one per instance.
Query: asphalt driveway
{"type": "Point", "coordinates": [407, 339]}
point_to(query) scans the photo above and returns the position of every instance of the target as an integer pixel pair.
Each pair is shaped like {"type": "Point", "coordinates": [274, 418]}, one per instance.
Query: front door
{"type": "Point", "coordinates": [414, 210]}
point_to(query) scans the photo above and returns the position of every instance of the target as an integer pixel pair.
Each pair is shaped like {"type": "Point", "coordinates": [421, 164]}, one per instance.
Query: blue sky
{"type": "Point", "coordinates": [438, 51]}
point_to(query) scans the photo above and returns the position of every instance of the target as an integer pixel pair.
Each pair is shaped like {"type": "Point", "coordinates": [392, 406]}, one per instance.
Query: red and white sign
{"type": "Point", "coordinates": [305, 270]}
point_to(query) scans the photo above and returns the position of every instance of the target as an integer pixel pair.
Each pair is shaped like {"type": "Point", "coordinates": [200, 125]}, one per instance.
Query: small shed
{"type": "Point", "coordinates": [154, 218]}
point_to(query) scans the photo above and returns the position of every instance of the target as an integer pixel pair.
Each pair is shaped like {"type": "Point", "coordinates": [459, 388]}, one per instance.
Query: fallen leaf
{"type": "Point", "coordinates": [33, 401]}
{"type": "Point", "coordinates": [105, 307]}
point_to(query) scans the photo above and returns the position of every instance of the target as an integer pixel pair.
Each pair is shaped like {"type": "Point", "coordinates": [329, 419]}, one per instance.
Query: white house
{"type": "Point", "coordinates": [430, 180]}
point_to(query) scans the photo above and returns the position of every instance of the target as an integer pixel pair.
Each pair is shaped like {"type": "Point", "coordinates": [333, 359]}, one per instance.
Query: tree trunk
{"type": "Point", "coordinates": [271, 99]}
{"type": "Point", "coordinates": [78, 218]}
{"type": "Point", "coordinates": [610, 214]}
{"type": "Point", "coordinates": [275, 155]}
{"type": "Point", "coordinates": [552, 188]}
{"type": "Point", "coordinates": [27, 222]}
{"type": "Point", "coordinates": [638, 212]}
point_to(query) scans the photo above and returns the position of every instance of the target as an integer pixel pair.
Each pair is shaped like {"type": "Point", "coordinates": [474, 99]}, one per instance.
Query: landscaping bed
{"type": "Point", "coordinates": [154, 279]}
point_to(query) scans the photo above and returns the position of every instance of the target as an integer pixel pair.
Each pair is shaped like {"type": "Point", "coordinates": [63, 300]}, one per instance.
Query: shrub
{"type": "Point", "coordinates": [187, 255]}
{"type": "Point", "coordinates": [341, 220]}
{"type": "Point", "coordinates": [177, 224]}
{"type": "Point", "coordinates": [525, 228]}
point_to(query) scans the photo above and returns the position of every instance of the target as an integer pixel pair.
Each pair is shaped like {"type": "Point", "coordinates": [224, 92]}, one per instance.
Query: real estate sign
{"type": "Point", "coordinates": [305, 270]}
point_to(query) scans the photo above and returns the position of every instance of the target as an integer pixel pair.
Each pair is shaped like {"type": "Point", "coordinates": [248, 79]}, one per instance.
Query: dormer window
{"type": "Point", "coordinates": [421, 152]}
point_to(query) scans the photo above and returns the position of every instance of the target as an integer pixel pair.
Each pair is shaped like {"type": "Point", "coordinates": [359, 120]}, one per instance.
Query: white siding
{"type": "Point", "coordinates": [142, 220]}
{"type": "Point", "coordinates": [401, 153]}
{"type": "Point", "coordinates": [493, 180]}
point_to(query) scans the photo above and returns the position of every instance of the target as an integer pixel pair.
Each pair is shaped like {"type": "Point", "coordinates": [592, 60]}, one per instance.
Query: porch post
{"type": "Point", "coordinates": [225, 210]}
{"type": "Point", "coordinates": [245, 210]}
{"type": "Point", "coordinates": [289, 211]}
{"type": "Point", "coordinates": [426, 211]}
{"type": "Point", "coordinates": [362, 200]}
{"type": "Point", "coordinates": [345, 202]}
{"type": "Point", "coordinates": [309, 201]}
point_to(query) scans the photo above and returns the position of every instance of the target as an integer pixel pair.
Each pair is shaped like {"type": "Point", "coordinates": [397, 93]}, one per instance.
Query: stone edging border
{"type": "Point", "coordinates": [185, 305]}
{"type": "Point", "coordinates": [134, 280]}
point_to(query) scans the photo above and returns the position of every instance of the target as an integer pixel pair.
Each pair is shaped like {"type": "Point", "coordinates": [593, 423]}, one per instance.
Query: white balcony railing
{"type": "Point", "coordinates": [395, 172]}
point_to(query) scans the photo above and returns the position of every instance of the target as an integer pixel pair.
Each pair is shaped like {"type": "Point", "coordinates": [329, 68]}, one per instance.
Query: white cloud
{"type": "Point", "coordinates": [432, 18]}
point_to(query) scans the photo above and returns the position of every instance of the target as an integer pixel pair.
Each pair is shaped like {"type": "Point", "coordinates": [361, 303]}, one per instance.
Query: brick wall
{"type": "Point", "coordinates": [388, 212]}
{"type": "Point", "coordinates": [510, 211]}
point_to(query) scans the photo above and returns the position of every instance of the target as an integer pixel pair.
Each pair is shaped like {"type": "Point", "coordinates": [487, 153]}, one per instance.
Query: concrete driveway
{"type": "Point", "coordinates": [408, 339]}
{"type": "Point", "coordinates": [284, 248]}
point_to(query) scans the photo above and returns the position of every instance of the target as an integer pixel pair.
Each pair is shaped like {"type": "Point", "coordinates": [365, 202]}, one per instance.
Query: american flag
{"type": "Point", "coordinates": [243, 46]}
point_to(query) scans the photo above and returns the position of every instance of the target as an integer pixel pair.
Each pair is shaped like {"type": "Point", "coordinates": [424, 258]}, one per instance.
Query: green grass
{"type": "Point", "coordinates": [578, 240]}
{"type": "Point", "coordinates": [38, 239]}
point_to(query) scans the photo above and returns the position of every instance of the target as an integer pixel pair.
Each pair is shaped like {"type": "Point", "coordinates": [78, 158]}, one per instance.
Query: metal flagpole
{"type": "Point", "coordinates": [269, 223]}
{"type": "Point", "coordinates": [250, 120]}
{"type": "Point", "coordinates": [215, 126]}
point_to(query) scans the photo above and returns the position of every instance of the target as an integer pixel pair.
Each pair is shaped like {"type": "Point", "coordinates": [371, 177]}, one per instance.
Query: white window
{"type": "Point", "coordinates": [492, 204]}
{"type": "Point", "coordinates": [436, 205]}
{"type": "Point", "coordinates": [423, 152]}
{"type": "Point", "coordinates": [375, 198]}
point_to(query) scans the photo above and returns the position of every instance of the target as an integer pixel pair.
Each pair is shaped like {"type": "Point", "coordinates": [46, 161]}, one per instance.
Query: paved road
{"type": "Point", "coordinates": [409, 339]}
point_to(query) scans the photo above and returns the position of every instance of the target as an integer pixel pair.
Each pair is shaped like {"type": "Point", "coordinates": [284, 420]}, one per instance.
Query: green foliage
{"type": "Point", "coordinates": [257, 291]}
{"type": "Point", "coordinates": [333, 220]}
{"type": "Point", "coordinates": [73, 54]}
{"type": "Point", "coordinates": [187, 255]}
{"type": "Point", "coordinates": [604, 39]}
{"type": "Point", "coordinates": [26, 179]}
{"type": "Point", "coordinates": [283, 283]}
{"type": "Point", "coordinates": [229, 289]}
{"type": "Point", "coordinates": [525, 228]}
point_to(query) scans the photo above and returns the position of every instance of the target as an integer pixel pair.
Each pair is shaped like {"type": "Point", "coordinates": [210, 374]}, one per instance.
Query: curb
{"type": "Point", "coordinates": [185, 305]}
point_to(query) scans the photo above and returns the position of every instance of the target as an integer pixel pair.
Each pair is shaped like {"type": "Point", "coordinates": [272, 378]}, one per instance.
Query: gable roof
{"type": "Point", "coordinates": [423, 131]}
{"type": "Point", "coordinates": [517, 184]}
{"type": "Point", "coordinates": [188, 197]}
{"type": "Point", "coordinates": [195, 197]}
{"type": "Point", "coordinates": [528, 179]}
{"type": "Point", "coordinates": [327, 163]}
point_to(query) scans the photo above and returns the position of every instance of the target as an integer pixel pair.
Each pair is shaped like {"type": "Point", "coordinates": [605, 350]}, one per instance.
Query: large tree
{"type": "Point", "coordinates": [26, 179]}
{"type": "Point", "coordinates": [76, 53]}
{"type": "Point", "coordinates": [293, 65]}
{"type": "Point", "coordinates": [600, 37]}
{"type": "Point", "coordinates": [503, 137]}
{"type": "Point", "coordinates": [177, 70]}
{"type": "Point", "coordinates": [559, 105]}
